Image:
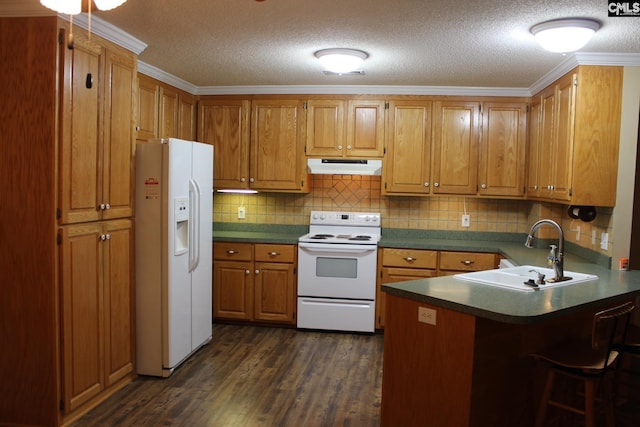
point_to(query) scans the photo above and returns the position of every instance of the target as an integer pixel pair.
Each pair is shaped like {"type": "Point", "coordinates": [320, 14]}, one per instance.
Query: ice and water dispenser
{"type": "Point", "coordinates": [181, 215]}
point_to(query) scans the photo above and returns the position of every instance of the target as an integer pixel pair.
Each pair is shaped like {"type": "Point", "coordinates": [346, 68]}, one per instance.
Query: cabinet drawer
{"type": "Point", "coordinates": [409, 258]}
{"type": "Point", "coordinates": [275, 253]}
{"type": "Point", "coordinates": [232, 251]}
{"type": "Point", "coordinates": [467, 261]}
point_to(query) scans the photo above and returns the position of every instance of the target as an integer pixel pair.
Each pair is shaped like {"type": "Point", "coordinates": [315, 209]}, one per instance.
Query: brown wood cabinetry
{"type": "Point", "coordinates": [69, 293]}
{"type": "Point", "coordinates": [259, 144]}
{"type": "Point", "coordinates": [254, 282]}
{"type": "Point", "coordinates": [503, 149]}
{"type": "Point", "coordinates": [455, 150]}
{"type": "Point", "coordinates": [345, 128]}
{"type": "Point", "coordinates": [399, 265]}
{"type": "Point", "coordinates": [457, 262]}
{"type": "Point", "coordinates": [407, 166]}
{"type": "Point", "coordinates": [96, 309]}
{"type": "Point", "coordinates": [164, 111]}
{"type": "Point", "coordinates": [224, 123]}
{"type": "Point", "coordinates": [576, 138]}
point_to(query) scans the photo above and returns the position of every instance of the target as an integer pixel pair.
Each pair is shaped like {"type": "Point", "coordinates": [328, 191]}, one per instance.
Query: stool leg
{"type": "Point", "coordinates": [544, 400]}
{"type": "Point", "coordinates": [589, 398]}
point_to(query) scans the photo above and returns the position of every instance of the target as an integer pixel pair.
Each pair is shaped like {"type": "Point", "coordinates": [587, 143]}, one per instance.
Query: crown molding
{"type": "Point", "coordinates": [107, 31]}
{"type": "Point", "coordinates": [580, 58]}
{"type": "Point", "coordinates": [170, 79]}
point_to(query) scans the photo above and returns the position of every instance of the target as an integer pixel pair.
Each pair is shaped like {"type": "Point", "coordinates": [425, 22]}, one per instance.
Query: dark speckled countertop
{"type": "Point", "coordinates": [503, 305]}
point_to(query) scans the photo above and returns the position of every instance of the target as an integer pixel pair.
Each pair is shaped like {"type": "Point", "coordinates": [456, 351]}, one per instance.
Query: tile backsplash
{"type": "Point", "coordinates": [443, 213]}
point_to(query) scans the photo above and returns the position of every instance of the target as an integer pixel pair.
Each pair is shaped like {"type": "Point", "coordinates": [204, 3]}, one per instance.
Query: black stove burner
{"type": "Point", "coordinates": [360, 237]}
{"type": "Point", "coordinates": [321, 236]}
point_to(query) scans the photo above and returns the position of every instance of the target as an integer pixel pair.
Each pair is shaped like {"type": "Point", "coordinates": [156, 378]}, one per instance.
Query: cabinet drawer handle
{"type": "Point", "coordinates": [467, 262]}
{"type": "Point", "coordinates": [409, 259]}
{"type": "Point", "coordinates": [231, 252]}
{"type": "Point", "coordinates": [273, 254]}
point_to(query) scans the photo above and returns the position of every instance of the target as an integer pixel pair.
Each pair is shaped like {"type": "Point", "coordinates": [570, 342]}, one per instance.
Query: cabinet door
{"type": "Point", "coordinates": [563, 144]}
{"type": "Point", "coordinates": [535, 140]}
{"type": "Point", "coordinates": [547, 137]}
{"type": "Point", "coordinates": [455, 153]}
{"type": "Point", "coordinates": [407, 165]}
{"type": "Point", "coordinates": [275, 292]}
{"type": "Point", "coordinates": [365, 128]}
{"type": "Point", "coordinates": [225, 125]}
{"type": "Point", "coordinates": [233, 290]}
{"type": "Point", "coordinates": [168, 113]}
{"type": "Point", "coordinates": [325, 128]}
{"type": "Point", "coordinates": [277, 159]}
{"type": "Point", "coordinates": [148, 90]}
{"type": "Point", "coordinates": [502, 150]}
{"type": "Point", "coordinates": [186, 117]}
{"type": "Point", "coordinates": [118, 300]}
{"type": "Point", "coordinates": [81, 144]}
{"type": "Point", "coordinates": [119, 146]}
{"type": "Point", "coordinates": [81, 308]}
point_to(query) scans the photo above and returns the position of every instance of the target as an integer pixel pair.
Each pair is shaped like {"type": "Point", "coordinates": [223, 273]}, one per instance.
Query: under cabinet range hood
{"type": "Point", "coordinates": [344, 167]}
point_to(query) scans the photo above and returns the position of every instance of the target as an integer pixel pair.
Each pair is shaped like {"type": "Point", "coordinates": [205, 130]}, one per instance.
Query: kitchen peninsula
{"type": "Point", "coordinates": [471, 368]}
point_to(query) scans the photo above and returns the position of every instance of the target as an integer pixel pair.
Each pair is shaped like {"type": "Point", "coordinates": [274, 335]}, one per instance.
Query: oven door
{"type": "Point", "coordinates": [337, 270]}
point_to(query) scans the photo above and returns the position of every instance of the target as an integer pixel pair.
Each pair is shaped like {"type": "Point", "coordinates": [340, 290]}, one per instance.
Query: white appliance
{"type": "Point", "coordinates": [337, 264]}
{"type": "Point", "coordinates": [174, 184]}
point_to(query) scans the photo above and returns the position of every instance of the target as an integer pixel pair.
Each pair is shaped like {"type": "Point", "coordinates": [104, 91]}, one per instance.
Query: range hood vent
{"type": "Point", "coordinates": [344, 167]}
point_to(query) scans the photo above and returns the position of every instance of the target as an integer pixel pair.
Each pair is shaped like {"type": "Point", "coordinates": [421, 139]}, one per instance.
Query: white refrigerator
{"type": "Point", "coordinates": [174, 184]}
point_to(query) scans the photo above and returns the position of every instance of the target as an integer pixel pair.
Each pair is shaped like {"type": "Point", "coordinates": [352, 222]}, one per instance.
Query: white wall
{"type": "Point", "coordinates": [623, 212]}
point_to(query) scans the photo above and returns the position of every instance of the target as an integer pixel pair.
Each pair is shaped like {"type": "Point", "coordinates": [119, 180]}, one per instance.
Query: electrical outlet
{"type": "Point", "coordinates": [466, 220]}
{"type": "Point", "coordinates": [577, 233]}
{"type": "Point", "coordinates": [241, 212]}
{"type": "Point", "coordinates": [604, 241]}
{"type": "Point", "coordinates": [427, 315]}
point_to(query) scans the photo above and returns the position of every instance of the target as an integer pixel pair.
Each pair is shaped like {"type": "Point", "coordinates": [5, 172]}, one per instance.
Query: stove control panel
{"type": "Point", "coordinates": [345, 218]}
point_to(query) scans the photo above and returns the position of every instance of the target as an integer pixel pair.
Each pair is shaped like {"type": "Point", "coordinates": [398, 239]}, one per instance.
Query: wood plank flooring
{"type": "Point", "coordinates": [259, 376]}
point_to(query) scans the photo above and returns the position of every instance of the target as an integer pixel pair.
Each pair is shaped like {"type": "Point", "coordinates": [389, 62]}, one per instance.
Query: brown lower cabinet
{"type": "Point", "coordinates": [254, 282]}
{"type": "Point", "coordinates": [399, 265]}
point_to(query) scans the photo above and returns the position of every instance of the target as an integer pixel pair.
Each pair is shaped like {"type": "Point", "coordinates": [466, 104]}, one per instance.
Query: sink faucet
{"type": "Point", "coordinates": [557, 253]}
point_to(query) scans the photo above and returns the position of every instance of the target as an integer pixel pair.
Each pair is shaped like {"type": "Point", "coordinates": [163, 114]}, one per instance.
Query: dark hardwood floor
{"type": "Point", "coordinates": [259, 376]}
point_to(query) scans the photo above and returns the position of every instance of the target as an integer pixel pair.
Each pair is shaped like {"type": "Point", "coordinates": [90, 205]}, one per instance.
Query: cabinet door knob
{"type": "Point", "coordinates": [247, 272]}
{"type": "Point", "coordinates": [251, 179]}
{"type": "Point", "coordinates": [436, 184]}
{"type": "Point", "coordinates": [426, 184]}
{"type": "Point", "coordinates": [107, 206]}
{"type": "Point", "coordinates": [257, 271]}
{"type": "Point", "coordinates": [339, 147]}
{"type": "Point", "coordinates": [243, 179]}
{"type": "Point", "coordinates": [483, 186]}
{"type": "Point", "coordinates": [348, 147]}
{"type": "Point", "coordinates": [138, 128]}
{"type": "Point", "coordinates": [102, 206]}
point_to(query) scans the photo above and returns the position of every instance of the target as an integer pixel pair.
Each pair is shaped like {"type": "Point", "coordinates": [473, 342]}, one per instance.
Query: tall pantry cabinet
{"type": "Point", "coordinates": [66, 311]}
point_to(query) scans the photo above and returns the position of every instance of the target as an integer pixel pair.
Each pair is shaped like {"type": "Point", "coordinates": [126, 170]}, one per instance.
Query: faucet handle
{"type": "Point", "coordinates": [540, 280]}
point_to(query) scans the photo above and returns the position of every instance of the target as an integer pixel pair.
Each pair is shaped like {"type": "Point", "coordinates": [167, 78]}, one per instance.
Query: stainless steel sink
{"type": "Point", "coordinates": [523, 278]}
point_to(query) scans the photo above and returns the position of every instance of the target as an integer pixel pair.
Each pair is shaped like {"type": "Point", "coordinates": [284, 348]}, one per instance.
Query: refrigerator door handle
{"type": "Point", "coordinates": [194, 225]}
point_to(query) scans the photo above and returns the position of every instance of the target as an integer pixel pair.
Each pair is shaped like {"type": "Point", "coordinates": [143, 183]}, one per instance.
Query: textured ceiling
{"type": "Point", "coordinates": [484, 43]}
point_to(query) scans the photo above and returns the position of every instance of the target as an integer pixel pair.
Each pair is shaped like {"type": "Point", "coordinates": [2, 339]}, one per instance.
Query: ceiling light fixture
{"type": "Point", "coordinates": [341, 61]}
{"type": "Point", "coordinates": [564, 35]}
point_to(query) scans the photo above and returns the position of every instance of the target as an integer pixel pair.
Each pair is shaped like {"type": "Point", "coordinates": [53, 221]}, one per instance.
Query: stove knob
{"type": "Point", "coordinates": [323, 217]}
{"type": "Point", "coordinates": [367, 218]}
{"type": "Point", "coordinates": [314, 216]}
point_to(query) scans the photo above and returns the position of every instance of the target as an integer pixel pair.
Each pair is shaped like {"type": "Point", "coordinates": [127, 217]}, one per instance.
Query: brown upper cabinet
{"type": "Point", "coordinates": [503, 149]}
{"type": "Point", "coordinates": [164, 111]}
{"type": "Point", "coordinates": [575, 138]}
{"type": "Point", "coordinates": [455, 150]}
{"type": "Point", "coordinates": [96, 148]}
{"type": "Point", "coordinates": [345, 128]}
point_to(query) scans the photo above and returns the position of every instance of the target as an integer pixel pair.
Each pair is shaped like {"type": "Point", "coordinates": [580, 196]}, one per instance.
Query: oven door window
{"type": "Point", "coordinates": [346, 268]}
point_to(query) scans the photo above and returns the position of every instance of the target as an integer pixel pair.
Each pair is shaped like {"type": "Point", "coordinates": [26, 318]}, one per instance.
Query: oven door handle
{"type": "Point", "coordinates": [341, 248]}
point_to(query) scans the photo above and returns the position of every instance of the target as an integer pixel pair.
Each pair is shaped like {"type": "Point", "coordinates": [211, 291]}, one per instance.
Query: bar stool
{"type": "Point", "coordinates": [628, 378]}
{"type": "Point", "coordinates": [586, 361]}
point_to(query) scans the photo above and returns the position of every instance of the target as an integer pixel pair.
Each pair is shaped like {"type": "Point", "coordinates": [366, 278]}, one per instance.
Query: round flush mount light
{"type": "Point", "coordinates": [564, 35]}
{"type": "Point", "coordinates": [341, 61]}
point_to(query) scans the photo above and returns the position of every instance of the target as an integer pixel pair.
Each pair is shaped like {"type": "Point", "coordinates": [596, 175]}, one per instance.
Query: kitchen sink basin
{"type": "Point", "coordinates": [515, 278]}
